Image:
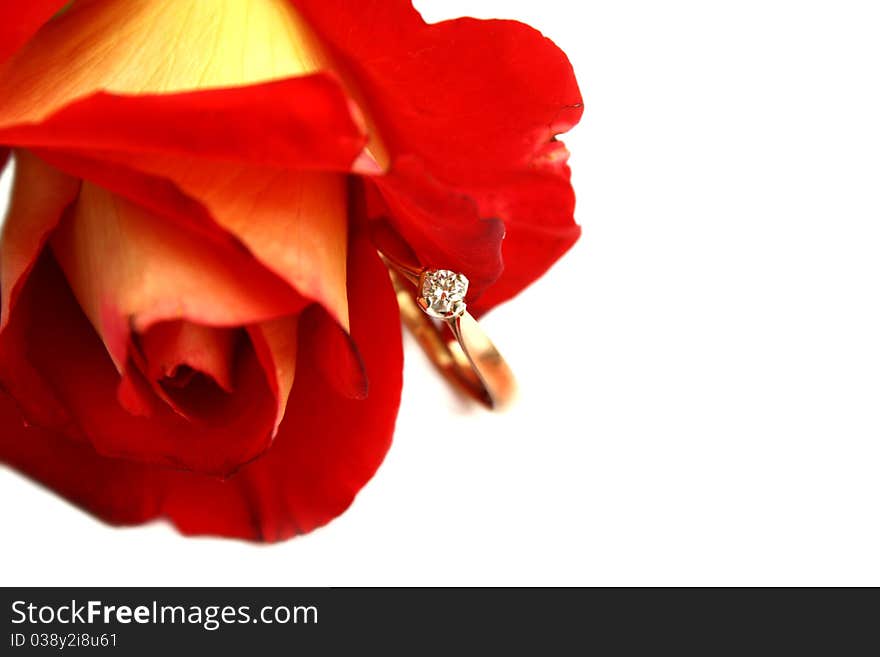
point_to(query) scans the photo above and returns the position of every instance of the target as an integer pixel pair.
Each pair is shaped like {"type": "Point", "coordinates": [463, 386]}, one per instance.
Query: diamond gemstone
{"type": "Point", "coordinates": [443, 292]}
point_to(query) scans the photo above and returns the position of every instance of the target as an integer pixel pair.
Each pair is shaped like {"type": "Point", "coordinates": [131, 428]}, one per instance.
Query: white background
{"type": "Point", "coordinates": [700, 376]}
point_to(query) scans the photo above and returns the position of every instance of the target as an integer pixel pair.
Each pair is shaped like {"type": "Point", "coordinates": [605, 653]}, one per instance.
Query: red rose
{"type": "Point", "coordinates": [195, 323]}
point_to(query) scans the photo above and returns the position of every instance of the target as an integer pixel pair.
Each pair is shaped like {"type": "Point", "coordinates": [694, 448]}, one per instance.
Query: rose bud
{"type": "Point", "coordinates": [195, 323]}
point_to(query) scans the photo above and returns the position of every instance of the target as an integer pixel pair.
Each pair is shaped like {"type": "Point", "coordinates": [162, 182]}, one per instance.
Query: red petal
{"type": "Point", "coordinates": [40, 194]}
{"type": "Point", "coordinates": [19, 21]}
{"type": "Point", "coordinates": [305, 123]}
{"type": "Point", "coordinates": [294, 222]}
{"type": "Point", "coordinates": [445, 229]}
{"type": "Point", "coordinates": [308, 252]}
{"type": "Point", "coordinates": [131, 268]}
{"type": "Point", "coordinates": [477, 103]}
{"type": "Point", "coordinates": [119, 491]}
{"type": "Point", "coordinates": [18, 376]}
{"type": "Point", "coordinates": [328, 445]}
{"type": "Point", "coordinates": [275, 343]}
{"type": "Point", "coordinates": [159, 46]}
{"type": "Point", "coordinates": [157, 195]}
{"type": "Point", "coordinates": [471, 97]}
{"type": "Point", "coordinates": [537, 207]}
{"type": "Point", "coordinates": [170, 347]}
{"type": "Point", "coordinates": [50, 331]}
{"type": "Point", "coordinates": [98, 85]}
{"type": "Point", "coordinates": [240, 81]}
{"type": "Point", "coordinates": [326, 449]}
{"type": "Point", "coordinates": [336, 353]}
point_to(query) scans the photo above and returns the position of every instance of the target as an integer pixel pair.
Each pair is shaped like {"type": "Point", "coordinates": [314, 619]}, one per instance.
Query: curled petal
{"type": "Point", "coordinates": [19, 21]}
{"type": "Point", "coordinates": [112, 45]}
{"type": "Point", "coordinates": [444, 227]}
{"type": "Point", "coordinates": [123, 492]}
{"type": "Point", "coordinates": [305, 122]}
{"type": "Point", "coordinates": [336, 353]}
{"type": "Point", "coordinates": [477, 104]}
{"type": "Point", "coordinates": [40, 195]}
{"type": "Point", "coordinates": [130, 268]}
{"type": "Point", "coordinates": [178, 349]}
{"type": "Point", "coordinates": [156, 195]}
{"type": "Point", "coordinates": [275, 343]}
{"type": "Point", "coordinates": [537, 207]}
{"type": "Point", "coordinates": [472, 98]}
{"type": "Point", "coordinates": [328, 445]}
{"type": "Point", "coordinates": [243, 80]}
{"type": "Point", "coordinates": [237, 122]}
{"type": "Point", "coordinates": [294, 222]}
{"type": "Point", "coordinates": [326, 449]}
{"type": "Point", "coordinates": [59, 345]}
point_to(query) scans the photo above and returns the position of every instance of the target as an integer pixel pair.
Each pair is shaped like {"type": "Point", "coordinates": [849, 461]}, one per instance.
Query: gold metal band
{"type": "Point", "coordinates": [463, 354]}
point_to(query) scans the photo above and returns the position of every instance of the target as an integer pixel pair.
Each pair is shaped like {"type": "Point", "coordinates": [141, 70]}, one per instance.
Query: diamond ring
{"type": "Point", "coordinates": [430, 299]}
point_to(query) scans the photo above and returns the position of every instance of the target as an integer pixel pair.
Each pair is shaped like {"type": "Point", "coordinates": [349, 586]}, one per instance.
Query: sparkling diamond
{"type": "Point", "coordinates": [442, 293]}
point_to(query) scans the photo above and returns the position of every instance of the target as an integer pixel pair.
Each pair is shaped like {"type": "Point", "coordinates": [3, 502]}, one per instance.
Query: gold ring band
{"type": "Point", "coordinates": [468, 358]}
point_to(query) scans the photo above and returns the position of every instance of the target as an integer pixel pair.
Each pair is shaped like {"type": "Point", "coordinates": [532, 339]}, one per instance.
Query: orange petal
{"type": "Point", "coordinates": [275, 343]}
{"type": "Point", "coordinates": [40, 194]}
{"type": "Point", "coordinates": [130, 268]}
{"type": "Point", "coordinates": [174, 348]}
{"type": "Point", "coordinates": [61, 345]}
{"type": "Point", "coordinates": [155, 46]}
{"type": "Point", "coordinates": [165, 46]}
{"type": "Point", "coordinates": [294, 222]}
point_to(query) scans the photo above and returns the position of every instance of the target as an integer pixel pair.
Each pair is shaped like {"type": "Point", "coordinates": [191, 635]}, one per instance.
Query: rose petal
{"type": "Point", "coordinates": [112, 46]}
{"type": "Point", "coordinates": [293, 249]}
{"type": "Point", "coordinates": [106, 52]}
{"type": "Point", "coordinates": [445, 229]}
{"type": "Point", "coordinates": [472, 98]}
{"type": "Point", "coordinates": [171, 347]}
{"type": "Point", "coordinates": [156, 195]}
{"type": "Point", "coordinates": [294, 222]}
{"type": "Point", "coordinates": [326, 449]}
{"type": "Point", "coordinates": [57, 341]}
{"type": "Point", "coordinates": [131, 268]}
{"type": "Point", "coordinates": [275, 343]}
{"type": "Point", "coordinates": [537, 207]}
{"type": "Point", "coordinates": [40, 194]}
{"type": "Point", "coordinates": [302, 123]}
{"type": "Point", "coordinates": [117, 490]}
{"type": "Point", "coordinates": [38, 403]}
{"type": "Point", "coordinates": [328, 445]}
{"type": "Point", "coordinates": [477, 103]}
{"type": "Point", "coordinates": [39, 197]}
{"type": "Point", "coordinates": [336, 353]}
{"type": "Point", "coordinates": [19, 21]}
